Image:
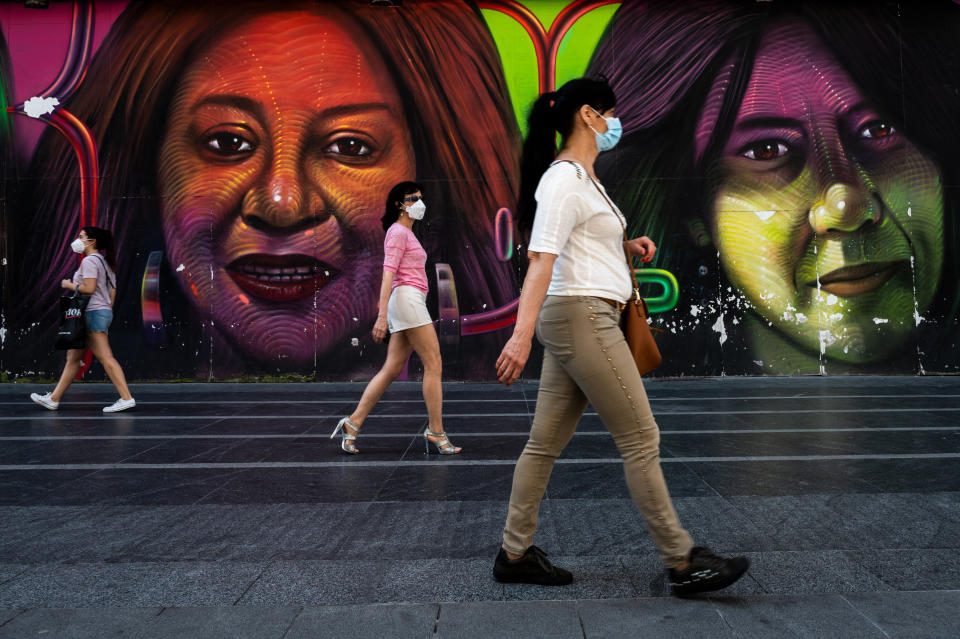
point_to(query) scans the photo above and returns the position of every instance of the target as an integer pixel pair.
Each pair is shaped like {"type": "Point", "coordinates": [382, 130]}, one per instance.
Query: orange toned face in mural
{"type": "Point", "coordinates": [827, 218]}
{"type": "Point", "coordinates": [283, 138]}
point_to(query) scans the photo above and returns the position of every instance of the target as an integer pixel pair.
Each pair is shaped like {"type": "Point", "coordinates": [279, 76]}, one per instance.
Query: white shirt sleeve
{"type": "Point", "coordinates": [560, 208]}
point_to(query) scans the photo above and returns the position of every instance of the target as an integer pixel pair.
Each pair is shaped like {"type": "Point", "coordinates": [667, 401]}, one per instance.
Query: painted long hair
{"type": "Point", "coordinates": [449, 78]}
{"type": "Point", "coordinates": [661, 59]}
{"type": "Point", "coordinates": [8, 176]}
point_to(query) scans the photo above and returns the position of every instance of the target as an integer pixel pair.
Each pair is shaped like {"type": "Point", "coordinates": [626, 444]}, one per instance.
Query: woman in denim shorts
{"type": "Point", "coordinates": [95, 278]}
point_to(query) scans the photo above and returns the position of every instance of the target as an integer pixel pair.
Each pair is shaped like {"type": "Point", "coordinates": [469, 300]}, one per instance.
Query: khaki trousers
{"type": "Point", "coordinates": [586, 359]}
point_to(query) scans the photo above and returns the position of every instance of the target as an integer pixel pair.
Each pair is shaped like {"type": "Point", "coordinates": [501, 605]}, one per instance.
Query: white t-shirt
{"type": "Point", "coordinates": [575, 223]}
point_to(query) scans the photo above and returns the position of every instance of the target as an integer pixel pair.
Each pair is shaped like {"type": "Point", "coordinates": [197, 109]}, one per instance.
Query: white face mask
{"type": "Point", "coordinates": [416, 210]}
{"type": "Point", "coordinates": [78, 245]}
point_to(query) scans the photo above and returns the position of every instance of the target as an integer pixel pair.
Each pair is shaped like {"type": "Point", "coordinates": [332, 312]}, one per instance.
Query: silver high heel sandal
{"type": "Point", "coordinates": [444, 447]}
{"type": "Point", "coordinates": [347, 442]}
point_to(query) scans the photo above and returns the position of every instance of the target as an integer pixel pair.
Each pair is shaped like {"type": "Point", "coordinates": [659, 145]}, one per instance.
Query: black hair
{"type": "Point", "coordinates": [103, 242]}
{"type": "Point", "coordinates": [550, 114]}
{"type": "Point", "coordinates": [391, 210]}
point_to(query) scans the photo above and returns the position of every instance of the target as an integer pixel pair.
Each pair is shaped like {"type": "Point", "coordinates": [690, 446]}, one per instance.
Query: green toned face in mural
{"type": "Point", "coordinates": [282, 140]}
{"type": "Point", "coordinates": [827, 219]}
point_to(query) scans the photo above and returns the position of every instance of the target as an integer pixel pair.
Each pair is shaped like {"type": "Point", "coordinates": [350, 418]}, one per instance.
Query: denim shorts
{"type": "Point", "coordinates": [98, 320]}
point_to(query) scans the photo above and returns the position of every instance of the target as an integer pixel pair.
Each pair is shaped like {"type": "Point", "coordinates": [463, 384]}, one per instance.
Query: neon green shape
{"type": "Point", "coordinates": [518, 57]}
{"type": "Point", "coordinates": [671, 290]}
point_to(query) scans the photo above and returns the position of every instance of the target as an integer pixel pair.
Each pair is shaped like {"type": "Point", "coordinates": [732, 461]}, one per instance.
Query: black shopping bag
{"type": "Point", "coordinates": [73, 330]}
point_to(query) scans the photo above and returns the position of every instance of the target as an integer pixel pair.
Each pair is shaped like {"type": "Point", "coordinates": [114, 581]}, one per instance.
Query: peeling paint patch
{"type": "Point", "coordinates": [831, 299]}
{"type": "Point", "coordinates": [720, 328]}
{"type": "Point", "coordinates": [765, 215]}
{"type": "Point", "coordinates": [801, 318]}
{"type": "Point", "coordinates": [181, 268]}
{"type": "Point", "coordinates": [694, 310]}
{"type": "Point", "coordinates": [37, 106]}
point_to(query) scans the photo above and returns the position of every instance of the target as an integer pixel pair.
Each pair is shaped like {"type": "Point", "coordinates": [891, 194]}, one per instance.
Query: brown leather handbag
{"type": "Point", "coordinates": [633, 321]}
{"type": "Point", "coordinates": [639, 334]}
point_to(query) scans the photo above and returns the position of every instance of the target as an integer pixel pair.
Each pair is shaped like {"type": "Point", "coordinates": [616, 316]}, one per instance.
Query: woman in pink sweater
{"type": "Point", "coordinates": [403, 312]}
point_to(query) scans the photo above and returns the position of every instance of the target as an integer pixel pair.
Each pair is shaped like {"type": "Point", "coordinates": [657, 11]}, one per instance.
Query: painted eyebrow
{"type": "Point", "coordinates": [252, 106]}
{"type": "Point", "coordinates": [768, 122]}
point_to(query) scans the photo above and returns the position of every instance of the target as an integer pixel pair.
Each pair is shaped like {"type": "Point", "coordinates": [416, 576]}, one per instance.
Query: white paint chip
{"type": "Point", "coordinates": [880, 320]}
{"type": "Point", "coordinates": [354, 342]}
{"type": "Point", "coordinates": [765, 215]}
{"type": "Point", "coordinates": [37, 106]}
{"type": "Point", "coordinates": [181, 268]}
{"type": "Point", "coordinates": [720, 328]}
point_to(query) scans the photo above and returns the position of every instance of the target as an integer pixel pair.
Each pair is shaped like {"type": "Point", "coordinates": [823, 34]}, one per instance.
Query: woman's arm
{"type": "Point", "coordinates": [517, 349]}
{"type": "Point", "coordinates": [386, 286]}
{"type": "Point", "coordinates": [87, 288]}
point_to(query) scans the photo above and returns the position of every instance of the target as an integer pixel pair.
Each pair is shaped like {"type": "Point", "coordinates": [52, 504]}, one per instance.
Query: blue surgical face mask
{"type": "Point", "coordinates": [609, 139]}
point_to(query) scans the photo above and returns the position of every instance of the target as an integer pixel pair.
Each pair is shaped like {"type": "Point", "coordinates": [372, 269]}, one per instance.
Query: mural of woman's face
{"type": "Point", "coordinates": [283, 138]}
{"type": "Point", "coordinates": [827, 218]}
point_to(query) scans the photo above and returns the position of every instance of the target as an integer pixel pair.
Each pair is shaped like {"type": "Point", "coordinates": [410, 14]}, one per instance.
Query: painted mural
{"type": "Point", "coordinates": [795, 162]}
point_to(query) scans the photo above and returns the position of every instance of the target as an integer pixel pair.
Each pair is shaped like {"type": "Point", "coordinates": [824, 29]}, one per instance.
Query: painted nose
{"type": "Point", "coordinates": [844, 208]}
{"type": "Point", "coordinates": [280, 200]}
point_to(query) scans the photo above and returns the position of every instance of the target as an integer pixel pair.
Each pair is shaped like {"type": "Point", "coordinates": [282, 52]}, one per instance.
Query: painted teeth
{"type": "Point", "coordinates": [280, 274]}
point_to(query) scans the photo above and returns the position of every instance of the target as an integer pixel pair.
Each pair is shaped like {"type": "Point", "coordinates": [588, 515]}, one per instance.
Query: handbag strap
{"type": "Point", "coordinates": [626, 249]}
{"type": "Point", "coordinates": [106, 270]}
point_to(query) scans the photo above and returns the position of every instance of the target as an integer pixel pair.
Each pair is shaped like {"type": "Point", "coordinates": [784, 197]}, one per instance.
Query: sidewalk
{"type": "Point", "coordinates": [225, 511]}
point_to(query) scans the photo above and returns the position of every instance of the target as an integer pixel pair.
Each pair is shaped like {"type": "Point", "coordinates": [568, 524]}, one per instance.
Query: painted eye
{"type": "Point", "coordinates": [876, 130]}
{"type": "Point", "coordinates": [350, 147]}
{"type": "Point", "coordinates": [228, 144]}
{"type": "Point", "coordinates": [765, 150]}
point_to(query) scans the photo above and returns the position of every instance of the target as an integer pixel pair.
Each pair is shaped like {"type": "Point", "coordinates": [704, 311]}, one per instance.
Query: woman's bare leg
{"type": "Point", "coordinates": [398, 350]}
{"type": "Point", "coordinates": [70, 370]}
{"type": "Point", "coordinates": [97, 341]}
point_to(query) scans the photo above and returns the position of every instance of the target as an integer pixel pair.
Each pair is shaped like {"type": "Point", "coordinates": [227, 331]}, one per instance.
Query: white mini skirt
{"type": "Point", "coordinates": [406, 309]}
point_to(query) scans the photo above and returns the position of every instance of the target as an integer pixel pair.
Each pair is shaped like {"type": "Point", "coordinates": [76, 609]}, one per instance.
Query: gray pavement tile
{"type": "Point", "coordinates": [665, 618]}
{"type": "Point", "coordinates": [323, 582]}
{"type": "Point", "coordinates": [96, 533]}
{"type": "Point", "coordinates": [924, 569]}
{"type": "Point", "coordinates": [430, 580]}
{"type": "Point", "coordinates": [12, 571]}
{"type": "Point", "coordinates": [593, 578]}
{"type": "Point", "coordinates": [129, 585]}
{"type": "Point", "coordinates": [848, 521]}
{"type": "Point", "coordinates": [394, 621]}
{"type": "Point", "coordinates": [615, 526]}
{"type": "Point", "coordinates": [509, 620]}
{"type": "Point", "coordinates": [911, 615]}
{"type": "Point", "coordinates": [233, 622]}
{"type": "Point", "coordinates": [828, 571]}
{"type": "Point", "coordinates": [7, 615]}
{"type": "Point", "coordinates": [80, 623]}
{"type": "Point", "coordinates": [20, 525]}
{"type": "Point", "coordinates": [802, 616]}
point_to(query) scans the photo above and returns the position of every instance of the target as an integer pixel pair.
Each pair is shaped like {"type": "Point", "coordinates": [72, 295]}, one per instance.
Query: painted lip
{"type": "Point", "coordinates": [849, 281]}
{"type": "Point", "coordinates": [280, 278]}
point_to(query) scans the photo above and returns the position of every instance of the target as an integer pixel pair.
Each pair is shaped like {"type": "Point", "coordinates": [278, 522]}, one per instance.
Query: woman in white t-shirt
{"type": "Point", "coordinates": [572, 297]}
{"type": "Point", "coordinates": [95, 278]}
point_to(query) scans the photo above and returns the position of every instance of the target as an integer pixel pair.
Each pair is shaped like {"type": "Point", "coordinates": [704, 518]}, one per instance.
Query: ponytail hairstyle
{"type": "Point", "coordinates": [103, 242]}
{"type": "Point", "coordinates": [550, 114]}
{"type": "Point", "coordinates": [395, 201]}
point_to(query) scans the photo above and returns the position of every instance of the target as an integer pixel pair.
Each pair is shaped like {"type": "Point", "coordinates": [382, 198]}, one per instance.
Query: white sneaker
{"type": "Point", "coordinates": [119, 405]}
{"type": "Point", "coordinates": [45, 401]}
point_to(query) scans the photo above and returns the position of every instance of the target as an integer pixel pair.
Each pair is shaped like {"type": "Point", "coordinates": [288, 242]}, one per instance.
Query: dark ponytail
{"type": "Point", "coordinates": [550, 114]}
{"type": "Point", "coordinates": [103, 242]}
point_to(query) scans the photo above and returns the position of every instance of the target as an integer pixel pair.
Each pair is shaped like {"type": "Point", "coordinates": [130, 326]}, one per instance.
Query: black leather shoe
{"type": "Point", "coordinates": [707, 572]}
{"type": "Point", "coordinates": [532, 568]}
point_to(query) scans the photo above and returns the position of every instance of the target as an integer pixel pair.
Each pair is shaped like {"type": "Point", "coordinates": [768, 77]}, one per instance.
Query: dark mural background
{"type": "Point", "coordinates": [796, 163]}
